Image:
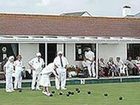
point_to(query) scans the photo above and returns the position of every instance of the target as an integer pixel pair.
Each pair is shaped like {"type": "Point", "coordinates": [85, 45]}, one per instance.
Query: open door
{"type": "Point", "coordinates": [52, 51]}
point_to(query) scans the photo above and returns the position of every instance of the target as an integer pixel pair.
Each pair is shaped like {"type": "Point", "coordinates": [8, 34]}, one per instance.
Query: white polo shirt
{"type": "Point", "coordinates": [57, 62]}
{"type": "Point", "coordinates": [9, 67]}
{"type": "Point", "coordinates": [37, 65]}
{"type": "Point", "coordinates": [89, 55]}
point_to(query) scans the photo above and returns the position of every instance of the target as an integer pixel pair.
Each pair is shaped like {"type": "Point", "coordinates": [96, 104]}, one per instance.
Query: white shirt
{"type": "Point", "coordinates": [89, 55]}
{"type": "Point", "coordinates": [57, 62]}
{"type": "Point", "coordinates": [137, 61]}
{"type": "Point", "coordinates": [9, 67]}
{"type": "Point", "coordinates": [18, 65]}
{"type": "Point", "coordinates": [48, 69]}
{"type": "Point", "coordinates": [102, 64]}
{"type": "Point", "coordinates": [37, 65]}
{"type": "Point", "coordinates": [84, 64]}
{"type": "Point", "coordinates": [120, 64]}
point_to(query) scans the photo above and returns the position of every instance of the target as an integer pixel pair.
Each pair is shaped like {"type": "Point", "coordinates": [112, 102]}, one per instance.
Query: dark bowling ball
{"type": "Point", "coordinates": [89, 92]}
{"type": "Point", "coordinates": [51, 95]}
{"type": "Point", "coordinates": [60, 93]}
{"type": "Point", "coordinates": [120, 98]}
{"type": "Point", "coordinates": [72, 93]}
{"type": "Point", "coordinates": [20, 90]}
{"type": "Point", "coordinates": [68, 95]}
{"type": "Point", "coordinates": [69, 92]}
{"type": "Point", "coordinates": [53, 92]}
{"type": "Point", "coordinates": [105, 94]}
{"type": "Point", "coordinates": [78, 91]}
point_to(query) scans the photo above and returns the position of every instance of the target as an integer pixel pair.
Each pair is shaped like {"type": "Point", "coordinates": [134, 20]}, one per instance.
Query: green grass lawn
{"type": "Point", "coordinates": [129, 91]}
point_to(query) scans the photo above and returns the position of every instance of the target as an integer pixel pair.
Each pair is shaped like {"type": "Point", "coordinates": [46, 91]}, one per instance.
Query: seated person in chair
{"type": "Point", "coordinates": [137, 61]}
{"type": "Point", "coordinates": [112, 67]}
{"type": "Point", "coordinates": [120, 66]}
{"type": "Point", "coordinates": [132, 67]}
{"type": "Point", "coordinates": [103, 70]}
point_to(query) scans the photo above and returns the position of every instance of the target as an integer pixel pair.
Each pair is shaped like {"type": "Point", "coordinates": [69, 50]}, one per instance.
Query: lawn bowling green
{"type": "Point", "coordinates": [118, 94]}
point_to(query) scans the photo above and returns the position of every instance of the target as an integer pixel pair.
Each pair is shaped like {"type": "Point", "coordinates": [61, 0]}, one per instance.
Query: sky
{"type": "Point", "coordinates": [56, 7]}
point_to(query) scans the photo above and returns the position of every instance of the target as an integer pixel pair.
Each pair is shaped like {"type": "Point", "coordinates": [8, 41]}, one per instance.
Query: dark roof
{"type": "Point", "coordinates": [21, 24]}
{"type": "Point", "coordinates": [75, 13]}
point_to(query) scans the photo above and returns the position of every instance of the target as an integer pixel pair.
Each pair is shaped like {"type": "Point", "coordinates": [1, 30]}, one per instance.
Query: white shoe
{"type": "Point", "coordinates": [44, 92]}
{"type": "Point", "coordinates": [57, 88]}
{"type": "Point", "coordinates": [33, 89]}
{"type": "Point", "coordinates": [64, 88]}
{"type": "Point", "coordinates": [48, 94]}
{"type": "Point", "coordinates": [12, 90]}
{"type": "Point", "coordinates": [38, 89]}
{"type": "Point", "coordinates": [9, 91]}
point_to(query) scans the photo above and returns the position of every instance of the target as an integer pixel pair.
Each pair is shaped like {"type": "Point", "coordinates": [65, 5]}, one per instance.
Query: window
{"type": "Point", "coordinates": [133, 50]}
{"type": "Point", "coordinates": [80, 50]}
{"type": "Point", "coordinates": [6, 50]}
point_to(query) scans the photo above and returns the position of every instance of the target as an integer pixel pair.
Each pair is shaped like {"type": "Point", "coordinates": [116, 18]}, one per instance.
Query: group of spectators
{"type": "Point", "coordinates": [118, 67]}
{"type": "Point", "coordinates": [112, 67]}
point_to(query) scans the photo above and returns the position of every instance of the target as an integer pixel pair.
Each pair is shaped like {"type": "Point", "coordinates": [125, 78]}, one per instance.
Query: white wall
{"type": "Point", "coordinates": [70, 54]}
{"type": "Point", "coordinates": [60, 47]}
{"type": "Point", "coordinates": [28, 51]}
{"type": "Point", "coordinates": [112, 50]}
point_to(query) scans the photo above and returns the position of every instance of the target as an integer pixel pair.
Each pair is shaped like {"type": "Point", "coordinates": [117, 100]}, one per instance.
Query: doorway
{"type": "Point", "coordinates": [52, 51]}
{"type": "Point", "coordinates": [42, 50]}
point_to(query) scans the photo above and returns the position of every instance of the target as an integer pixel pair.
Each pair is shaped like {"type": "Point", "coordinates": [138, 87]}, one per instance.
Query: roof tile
{"type": "Point", "coordinates": [21, 24]}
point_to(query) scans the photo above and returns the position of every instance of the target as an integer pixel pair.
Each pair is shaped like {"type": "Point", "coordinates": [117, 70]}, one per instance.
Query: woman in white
{"type": "Point", "coordinates": [45, 78]}
{"type": "Point", "coordinates": [18, 72]}
{"type": "Point", "coordinates": [9, 68]}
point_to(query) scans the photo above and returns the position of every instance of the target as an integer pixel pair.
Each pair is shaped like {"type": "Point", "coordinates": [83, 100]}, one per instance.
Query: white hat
{"type": "Point", "coordinates": [38, 54]}
{"type": "Point", "coordinates": [11, 57]}
{"type": "Point", "coordinates": [60, 52]}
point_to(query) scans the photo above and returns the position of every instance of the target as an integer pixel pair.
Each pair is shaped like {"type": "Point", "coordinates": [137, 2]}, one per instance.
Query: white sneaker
{"type": "Point", "coordinates": [38, 89]}
{"type": "Point", "coordinates": [33, 89]}
{"type": "Point", "coordinates": [48, 94]}
{"type": "Point", "coordinates": [9, 91]}
{"type": "Point", "coordinates": [44, 92]}
{"type": "Point", "coordinates": [12, 90]}
{"type": "Point", "coordinates": [64, 88]}
{"type": "Point", "coordinates": [57, 88]}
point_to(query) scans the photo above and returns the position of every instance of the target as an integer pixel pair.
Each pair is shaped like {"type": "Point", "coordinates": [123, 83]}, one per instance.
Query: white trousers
{"type": "Point", "coordinates": [18, 79]}
{"type": "Point", "coordinates": [91, 69]}
{"type": "Point", "coordinates": [35, 80]}
{"type": "Point", "coordinates": [9, 82]}
{"type": "Point", "coordinates": [61, 82]}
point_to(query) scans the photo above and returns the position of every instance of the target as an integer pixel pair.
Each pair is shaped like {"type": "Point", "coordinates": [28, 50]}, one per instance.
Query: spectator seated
{"type": "Point", "coordinates": [103, 70]}
{"type": "Point", "coordinates": [72, 71]}
{"type": "Point", "coordinates": [132, 67]}
{"type": "Point", "coordinates": [112, 67]}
